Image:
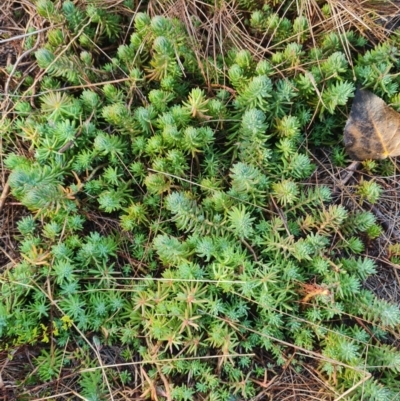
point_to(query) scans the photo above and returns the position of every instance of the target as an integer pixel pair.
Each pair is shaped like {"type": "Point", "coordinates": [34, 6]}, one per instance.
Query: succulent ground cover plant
{"type": "Point", "coordinates": [184, 240]}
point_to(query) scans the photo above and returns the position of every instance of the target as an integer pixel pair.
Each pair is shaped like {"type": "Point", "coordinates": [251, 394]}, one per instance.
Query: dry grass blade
{"type": "Point", "coordinates": [372, 19]}
{"type": "Point", "coordinates": [13, 56]}
{"type": "Point", "coordinates": [212, 27]}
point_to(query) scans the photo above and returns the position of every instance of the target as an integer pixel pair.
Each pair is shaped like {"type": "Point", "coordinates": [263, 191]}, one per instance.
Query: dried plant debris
{"type": "Point", "coordinates": [373, 128]}
{"type": "Point", "coordinates": [184, 248]}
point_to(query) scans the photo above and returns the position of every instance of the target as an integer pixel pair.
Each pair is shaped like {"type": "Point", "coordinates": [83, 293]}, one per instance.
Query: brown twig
{"type": "Point", "coordinates": [18, 61]}
{"type": "Point", "coordinates": [374, 209]}
{"type": "Point", "coordinates": [354, 165]}
{"type": "Point", "coordinates": [386, 224]}
{"type": "Point", "coordinates": [4, 194]}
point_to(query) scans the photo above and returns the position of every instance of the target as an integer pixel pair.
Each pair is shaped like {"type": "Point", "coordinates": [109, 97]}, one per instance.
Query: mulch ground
{"type": "Point", "coordinates": [14, 19]}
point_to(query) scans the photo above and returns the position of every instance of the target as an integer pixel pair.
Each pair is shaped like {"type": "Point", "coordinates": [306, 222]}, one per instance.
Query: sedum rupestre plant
{"type": "Point", "coordinates": [180, 219]}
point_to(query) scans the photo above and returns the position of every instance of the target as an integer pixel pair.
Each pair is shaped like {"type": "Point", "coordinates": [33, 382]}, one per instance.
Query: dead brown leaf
{"type": "Point", "coordinates": [373, 128]}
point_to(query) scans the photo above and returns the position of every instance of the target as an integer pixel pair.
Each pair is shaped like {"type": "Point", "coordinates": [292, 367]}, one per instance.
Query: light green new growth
{"type": "Point", "coordinates": [180, 219]}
